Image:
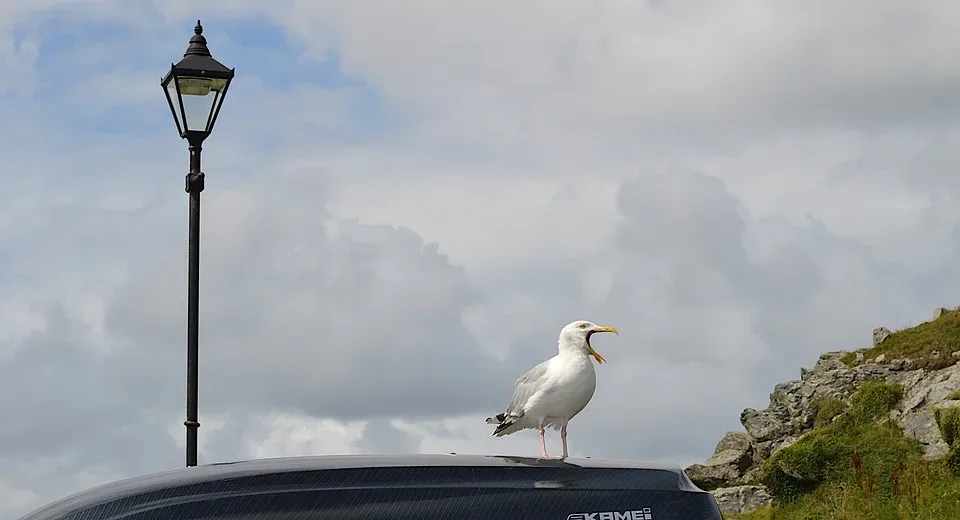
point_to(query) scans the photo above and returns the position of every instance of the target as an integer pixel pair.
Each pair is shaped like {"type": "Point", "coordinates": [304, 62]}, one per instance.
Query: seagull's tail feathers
{"type": "Point", "coordinates": [496, 420]}
{"type": "Point", "coordinates": [506, 424]}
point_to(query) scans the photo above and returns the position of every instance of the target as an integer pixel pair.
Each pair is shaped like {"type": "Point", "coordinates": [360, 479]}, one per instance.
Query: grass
{"type": "Point", "coordinates": [948, 420]}
{"type": "Point", "coordinates": [826, 409]}
{"type": "Point", "coordinates": [860, 466]}
{"type": "Point", "coordinates": [918, 343]}
{"type": "Point", "coordinates": [923, 491]}
{"type": "Point", "coordinates": [763, 513]}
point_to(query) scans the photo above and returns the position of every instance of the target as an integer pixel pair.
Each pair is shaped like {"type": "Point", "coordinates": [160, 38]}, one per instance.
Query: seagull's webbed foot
{"type": "Point", "coordinates": [548, 457]}
{"type": "Point", "coordinates": [543, 449]}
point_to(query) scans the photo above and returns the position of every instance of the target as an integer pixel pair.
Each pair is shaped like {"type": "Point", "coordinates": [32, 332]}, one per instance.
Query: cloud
{"type": "Point", "coordinates": [299, 305]}
{"type": "Point", "coordinates": [383, 436]}
{"type": "Point", "coordinates": [76, 422]}
{"type": "Point", "coordinates": [534, 73]}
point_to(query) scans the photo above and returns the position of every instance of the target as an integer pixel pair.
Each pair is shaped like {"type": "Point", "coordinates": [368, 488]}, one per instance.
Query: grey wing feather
{"type": "Point", "coordinates": [526, 385]}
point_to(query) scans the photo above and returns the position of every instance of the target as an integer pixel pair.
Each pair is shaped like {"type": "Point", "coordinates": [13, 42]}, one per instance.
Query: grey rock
{"type": "Point", "coordinates": [783, 443]}
{"type": "Point", "coordinates": [742, 499]}
{"type": "Point", "coordinates": [830, 361]}
{"type": "Point", "coordinates": [922, 388]}
{"type": "Point", "coordinates": [915, 398]}
{"type": "Point", "coordinates": [783, 392]}
{"type": "Point", "coordinates": [762, 451]}
{"type": "Point", "coordinates": [752, 476]}
{"type": "Point", "coordinates": [922, 426]}
{"type": "Point", "coordinates": [871, 370]}
{"type": "Point", "coordinates": [908, 379]}
{"type": "Point", "coordinates": [945, 384]}
{"type": "Point", "coordinates": [732, 457]}
{"type": "Point", "coordinates": [880, 334]}
{"type": "Point", "coordinates": [880, 359]}
{"type": "Point", "coordinates": [739, 441]}
{"type": "Point", "coordinates": [763, 425]}
{"type": "Point", "coordinates": [726, 466]}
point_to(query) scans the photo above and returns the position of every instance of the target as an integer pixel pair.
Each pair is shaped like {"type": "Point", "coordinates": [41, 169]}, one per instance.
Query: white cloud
{"type": "Point", "coordinates": [297, 435]}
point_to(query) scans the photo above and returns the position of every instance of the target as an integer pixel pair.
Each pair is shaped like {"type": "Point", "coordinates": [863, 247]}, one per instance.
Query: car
{"type": "Point", "coordinates": [397, 487]}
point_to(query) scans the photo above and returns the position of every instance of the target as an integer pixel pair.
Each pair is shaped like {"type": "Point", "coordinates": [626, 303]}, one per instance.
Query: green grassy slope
{"type": "Point", "coordinates": [920, 343]}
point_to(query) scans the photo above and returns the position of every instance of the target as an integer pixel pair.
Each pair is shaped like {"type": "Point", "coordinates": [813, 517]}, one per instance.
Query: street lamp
{"type": "Point", "coordinates": [195, 88]}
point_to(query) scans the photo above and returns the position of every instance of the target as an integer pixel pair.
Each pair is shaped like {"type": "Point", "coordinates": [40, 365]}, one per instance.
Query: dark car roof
{"type": "Point", "coordinates": [654, 476]}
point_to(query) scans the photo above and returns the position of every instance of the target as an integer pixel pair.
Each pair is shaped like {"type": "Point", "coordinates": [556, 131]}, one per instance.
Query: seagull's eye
{"type": "Point", "coordinates": [583, 325]}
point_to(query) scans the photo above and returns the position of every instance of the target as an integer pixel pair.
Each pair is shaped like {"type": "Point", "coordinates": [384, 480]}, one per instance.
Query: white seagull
{"type": "Point", "coordinates": [556, 390]}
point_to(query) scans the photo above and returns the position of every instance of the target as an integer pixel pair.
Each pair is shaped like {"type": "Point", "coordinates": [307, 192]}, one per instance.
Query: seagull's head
{"type": "Point", "coordinates": [578, 334]}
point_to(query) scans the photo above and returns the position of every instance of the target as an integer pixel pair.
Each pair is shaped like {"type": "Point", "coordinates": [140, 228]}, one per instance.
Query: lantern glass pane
{"type": "Point", "coordinates": [175, 101]}
{"type": "Point", "coordinates": [200, 96]}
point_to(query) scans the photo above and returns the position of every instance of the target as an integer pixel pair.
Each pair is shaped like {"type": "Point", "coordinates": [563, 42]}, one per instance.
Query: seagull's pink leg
{"type": "Point", "coordinates": [543, 444]}
{"type": "Point", "coordinates": [563, 438]}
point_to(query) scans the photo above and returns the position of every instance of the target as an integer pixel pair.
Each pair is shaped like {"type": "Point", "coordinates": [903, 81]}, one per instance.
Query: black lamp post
{"type": "Point", "coordinates": [195, 88]}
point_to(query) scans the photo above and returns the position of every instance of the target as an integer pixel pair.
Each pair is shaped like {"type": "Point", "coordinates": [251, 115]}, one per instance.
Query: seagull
{"type": "Point", "coordinates": [554, 391]}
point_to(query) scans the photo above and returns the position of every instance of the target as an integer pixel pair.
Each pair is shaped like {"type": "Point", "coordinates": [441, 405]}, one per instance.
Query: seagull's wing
{"type": "Point", "coordinates": [526, 386]}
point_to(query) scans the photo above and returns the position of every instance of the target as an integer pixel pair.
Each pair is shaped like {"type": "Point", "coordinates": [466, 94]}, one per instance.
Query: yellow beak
{"type": "Point", "coordinates": [594, 353]}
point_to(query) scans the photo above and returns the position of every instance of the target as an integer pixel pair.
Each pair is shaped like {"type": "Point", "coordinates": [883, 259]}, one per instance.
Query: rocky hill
{"type": "Point", "coordinates": [817, 430]}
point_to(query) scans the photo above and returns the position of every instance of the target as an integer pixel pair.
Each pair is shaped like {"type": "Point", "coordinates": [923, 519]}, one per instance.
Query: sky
{"type": "Point", "coordinates": [406, 201]}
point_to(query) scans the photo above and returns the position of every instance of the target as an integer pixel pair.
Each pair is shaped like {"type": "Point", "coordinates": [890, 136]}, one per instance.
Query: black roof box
{"type": "Point", "coordinates": [372, 487]}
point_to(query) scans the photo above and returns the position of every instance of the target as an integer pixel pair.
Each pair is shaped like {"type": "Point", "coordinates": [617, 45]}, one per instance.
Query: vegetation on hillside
{"type": "Point", "coordinates": [858, 465]}
{"type": "Point", "coordinates": [920, 343]}
{"type": "Point", "coordinates": [825, 410]}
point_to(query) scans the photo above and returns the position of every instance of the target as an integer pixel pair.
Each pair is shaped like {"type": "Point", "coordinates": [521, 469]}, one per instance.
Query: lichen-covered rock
{"type": "Point", "coordinates": [722, 468]}
{"type": "Point", "coordinates": [732, 457]}
{"type": "Point", "coordinates": [909, 379]}
{"type": "Point", "coordinates": [922, 383]}
{"type": "Point", "coordinates": [899, 364]}
{"type": "Point", "coordinates": [921, 425]}
{"type": "Point", "coordinates": [752, 476]}
{"type": "Point", "coordinates": [742, 499]}
{"type": "Point", "coordinates": [738, 441]}
{"type": "Point", "coordinates": [763, 425]}
{"type": "Point", "coordinates": [880, 334]}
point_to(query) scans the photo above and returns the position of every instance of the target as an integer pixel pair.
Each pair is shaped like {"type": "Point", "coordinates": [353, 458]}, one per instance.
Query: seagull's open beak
{"type": "Point", "coordinates": [592, 352]}
{"type": "Point", "coordinates": [596, 355]}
